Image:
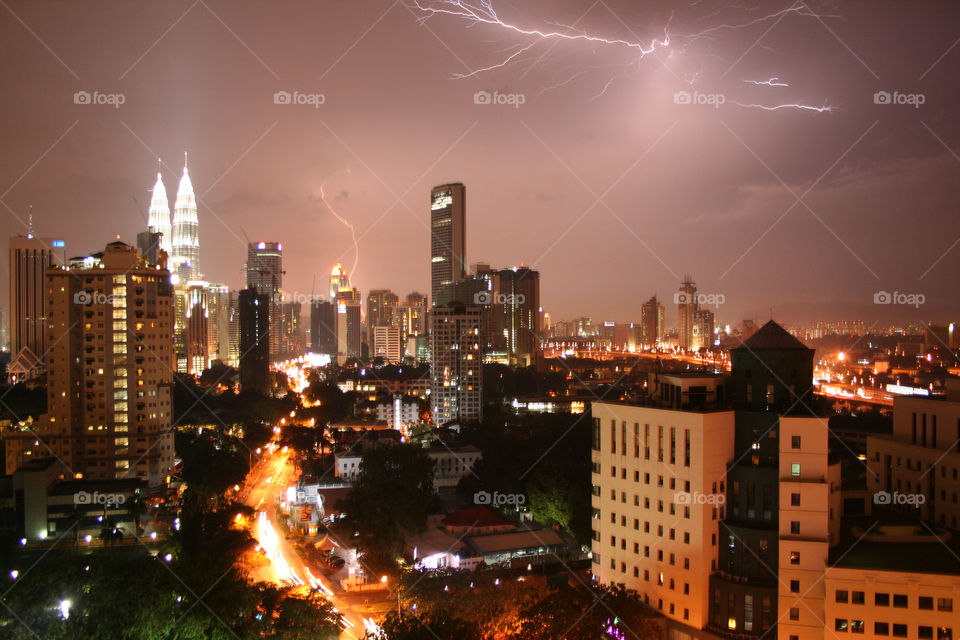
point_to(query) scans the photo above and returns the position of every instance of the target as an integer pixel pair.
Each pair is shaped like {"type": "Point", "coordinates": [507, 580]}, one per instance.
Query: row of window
{"type": "Point", "coordinates": [896, 630]}
{"type": "Point", "coordinates": [899, 600]}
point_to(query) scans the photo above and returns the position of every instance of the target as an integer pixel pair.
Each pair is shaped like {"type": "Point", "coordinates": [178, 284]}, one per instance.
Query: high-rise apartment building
{"type": "Point", "coordinates": [254, 315]}
{"type": "Point", "coordinates": [456, 363]}
{"type": "Point", "coordinates": [387, 344]}
{"type": "Point", "coordinates": [448, 239]}
{"type": "Point", "coordinates": [264, 272]}
{"type": "Point", "coordinates": [381, 309]}
{"type": "Point", "coordinates": [110, 331]}
{"type": "Point", "coordinates": [716, 501]}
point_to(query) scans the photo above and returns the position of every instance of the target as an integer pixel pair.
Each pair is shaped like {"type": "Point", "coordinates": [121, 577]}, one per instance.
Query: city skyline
{"type": "Point", "coordinates": [692, 189]}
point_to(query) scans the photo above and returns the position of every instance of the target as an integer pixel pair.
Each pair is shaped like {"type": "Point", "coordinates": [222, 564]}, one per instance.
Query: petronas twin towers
{"type": "Point", "coordinates": [181, 240]}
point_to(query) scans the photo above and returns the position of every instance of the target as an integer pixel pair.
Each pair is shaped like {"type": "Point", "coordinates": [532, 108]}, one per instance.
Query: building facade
{"type": "Point", "coordinates": [448, 239]}
{"type": "Point", "coordinates": [456, 363]}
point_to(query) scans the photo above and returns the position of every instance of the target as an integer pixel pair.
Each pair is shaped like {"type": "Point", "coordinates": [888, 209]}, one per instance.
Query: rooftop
{"type": "Point", "coordinates": [478, 516]}
{"type": "Point", "coordinates": [772, 337]}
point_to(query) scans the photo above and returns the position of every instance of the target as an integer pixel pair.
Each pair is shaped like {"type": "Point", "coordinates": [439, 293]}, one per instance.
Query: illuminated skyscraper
{"type": "Point", "coordinates": [456, 363]}
{"type": "Point", "coordinates": [159, 220]}
{"type": "Point", "coordinates": [381, 309]}
{"type": "Point", "coordinates": [185, 244]}
{"type": "Point", "coordinates": [30, 256]}
{"type": "Point", "coordinates": [651, 321]}
{"type": "Point", "coordinates": [686, 299]}
{"type": "Point", "coordinates": [338, 280]}
{"type": "Point", "coordinates": [448, 240]}
{"type": "Point", "coordinates": [109, 392]}
{"type": "Point", "coordinates": [254, 341]}
{"type": "Point", "coordinates": [264, 272]}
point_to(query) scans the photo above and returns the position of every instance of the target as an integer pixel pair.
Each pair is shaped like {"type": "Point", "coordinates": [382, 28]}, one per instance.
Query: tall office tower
{"type": "Point", "coordinates": [517, 317]}
{"type": "Point", "coordinates": [159, 216]}
{"type": "Point", "coordinates": [720, 490]}
{"type": "Point", "coordinates": [338, 280]}
{"type": "Point", "coordinates": [703, 323]}
{"type": "Point", "coordinates": [292, 342]}
{"type": "Point", "coordinates": [381, 307]}
{"type": "Point", "coordinates": [110, 331]}
{"type": "Point", "coordinates": [323, 327]}
{"type": "Point", "coordinates": [456, 363]}
{"type": "Point", "coordinates": [218, 322]}
{"type": "Point", "coordinates": [448, 239]}
{"type": "Point", "coordinates": [686, 300]}
{"type": "Point", "coordinates": [417, 320]}
{"type": "Point", "coordinates": [30, 256]}
{"type": "Point", "coordinates": [651, 322]}
{"type": "Point", "coordinates": [233, 331]}
{"type": "Point", "coordinates": [254, 311]}
{"type": "Point", "coordinates": [387, 344]}
{"type": "Point", "coordinates": [148, 244]}
{"type": "Point", "coordinates": [196, 339]}
{"type": "Point", "coordinates": [181, 303]}
{"type": "Point", "coordinates": [349, 334]}
{"type": "Point", "coordinates": [185, 244]}
{"type": "Point", "coordinates": [264, 272]}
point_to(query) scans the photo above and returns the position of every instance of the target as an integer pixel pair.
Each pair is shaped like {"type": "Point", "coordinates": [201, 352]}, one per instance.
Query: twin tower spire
{"type": "Point", "coordinates": [181, 239]}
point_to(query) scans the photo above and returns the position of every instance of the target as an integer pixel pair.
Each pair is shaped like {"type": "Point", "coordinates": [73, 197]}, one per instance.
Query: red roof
{"type": "Point", "coordinates": [478, 516]}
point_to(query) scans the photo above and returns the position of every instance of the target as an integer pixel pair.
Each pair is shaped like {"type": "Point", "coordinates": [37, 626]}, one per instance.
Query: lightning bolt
{"type": "Point", "coordinates": [778, 107]}
{"type": "Point", "coordinates": [772, 82]}
{"type": "Point", "coordinates": [353, 232]}
{"type": "Point", "coordinates": [482, 12]}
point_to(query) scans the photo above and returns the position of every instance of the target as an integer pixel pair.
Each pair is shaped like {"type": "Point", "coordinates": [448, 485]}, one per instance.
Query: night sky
{"type": "Point", "coordinates": [599, 179]}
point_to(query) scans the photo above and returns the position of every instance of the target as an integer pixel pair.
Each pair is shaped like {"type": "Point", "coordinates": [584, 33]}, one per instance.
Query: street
{"type": "Point", "coordinates": [271, 475]}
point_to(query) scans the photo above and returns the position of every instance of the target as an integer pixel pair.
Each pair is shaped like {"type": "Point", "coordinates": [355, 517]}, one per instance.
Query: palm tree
{"type": "Point", "coordinates": [110, 532]}
{"type": "Point", "coordinates": [74, 520]}
{"type": "Point", "coordinates": [137, 507]}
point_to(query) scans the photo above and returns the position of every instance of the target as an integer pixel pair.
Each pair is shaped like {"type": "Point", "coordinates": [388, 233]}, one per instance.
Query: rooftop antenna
{"type": "Point", "coordinates": [184, 161]}
{"type": "Point", "coordinates": [30, 233]}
